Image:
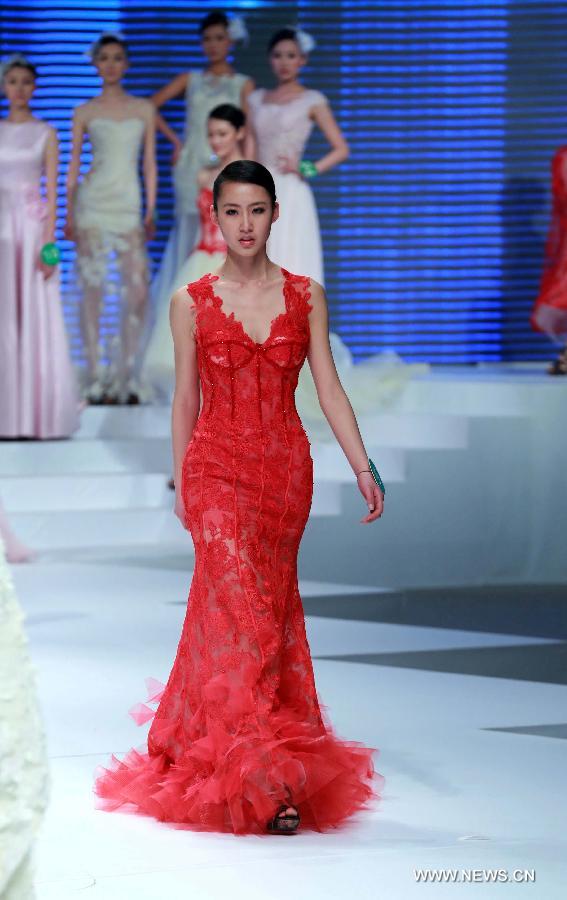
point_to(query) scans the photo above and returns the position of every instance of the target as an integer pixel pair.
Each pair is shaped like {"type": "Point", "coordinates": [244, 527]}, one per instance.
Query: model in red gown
{"type": "Point", "coordinates": [239, 729]}
{"type": "Point", "coordinates": [550, 310]}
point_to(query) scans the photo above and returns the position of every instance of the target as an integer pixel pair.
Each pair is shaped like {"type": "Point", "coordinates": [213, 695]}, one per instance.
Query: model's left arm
{"type": "Point", "coordinates": [51, 170]}
{"type": "Point", "coordinates": [336, 405]}
{"type": "Point", "coordinates": [150, 170]}
{"type": "Point", "coordinates": [249, 139]}
{"type": "Point", "coordinates": [322, 115]}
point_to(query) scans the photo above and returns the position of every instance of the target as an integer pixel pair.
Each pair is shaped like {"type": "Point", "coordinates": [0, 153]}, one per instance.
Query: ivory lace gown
{"type": "Point", "coordinates": [112, 263]}
{"type": "Point", "coordinates": [239, 729]}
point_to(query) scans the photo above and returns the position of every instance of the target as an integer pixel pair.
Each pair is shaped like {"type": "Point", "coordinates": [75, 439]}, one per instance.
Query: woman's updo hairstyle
{"type": "Point", "coordinates": [17, 61]}
{"type": "Point", "coordinates": [226, 112]}
{"type": "Point", "coordinates": [284, 34]}
{"type": "Point", "coordinates": [245, 171]}
{"type": "Point", "coordinates": [105, 40]}
{"type": "Point", "coordinates": [217, 17]}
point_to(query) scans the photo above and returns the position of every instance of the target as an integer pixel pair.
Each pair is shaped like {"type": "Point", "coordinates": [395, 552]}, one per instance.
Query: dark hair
{"type": "Point", "coordinates": [217, 17]}
{"type": "Point", "coordinates": [19, 62]}
{"type": "Point", "coordinates": [284, 34]}
{"type": "Point", "coordinates": [226, 112]}
{"type": "Point", "coordinates": [106, 40]}
{"type": "Point", "coordinates": [245, 171]}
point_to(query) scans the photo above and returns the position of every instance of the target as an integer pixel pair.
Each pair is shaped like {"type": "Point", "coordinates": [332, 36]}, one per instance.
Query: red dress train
{"type": "Point", "coordinates": [550, 309]}
{"type": "Point", "coordinates": [239, 729]}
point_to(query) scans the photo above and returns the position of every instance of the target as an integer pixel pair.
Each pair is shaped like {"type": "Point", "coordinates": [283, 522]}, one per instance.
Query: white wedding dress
{"type": "Point", "coordinates": [112, 263]}
{"type": "Point", "coordinates": [283, 129]}
{"type": "Point", "coordinates": [23, 758]}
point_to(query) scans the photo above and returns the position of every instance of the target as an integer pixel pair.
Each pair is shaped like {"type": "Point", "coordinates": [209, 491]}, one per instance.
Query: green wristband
{"type": "Point", "coordinates": [308, 169]}
{"type": "Point", "coordinates": [376, 476]}
{"type": "Point", "coordinates": [50, 254]}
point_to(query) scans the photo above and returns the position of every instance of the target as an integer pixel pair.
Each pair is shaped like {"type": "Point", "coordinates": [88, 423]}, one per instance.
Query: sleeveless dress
{"type": "Point", "coordinates": [204, 92]}
{"type": "Point", "coordinates": [239, 729]}
{"type": "Point", "coordinates": [550, 310]}
{"type": "Point", "coordinates": [112, 263]}
{"type": "Point", "coordinates": [208, 255]}
{"type": "Point", "coordinates": [283, 129]}
{"type": "Point", "coordinates": [38, 394]}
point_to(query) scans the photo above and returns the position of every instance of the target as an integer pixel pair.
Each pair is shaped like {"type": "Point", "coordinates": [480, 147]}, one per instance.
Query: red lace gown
{"type": "Point", "coordinates": [550, 310]}
{"type": "Point", "coordinates": [239, 729]}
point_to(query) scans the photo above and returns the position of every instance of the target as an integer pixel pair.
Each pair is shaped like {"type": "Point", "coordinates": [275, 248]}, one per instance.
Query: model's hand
{"type": "Point", "coordinates": [373, 496]}
{"type": "Point", "coordinates": [46, 271]}
{"type": "Point", "coordinates": [179, 508]}
{"type": "Point", "coordinates": [69, 230]}
{"type": "Point", "coordinates": [176, 153]}
{"type": "Point", "coordinates": [286, 165]}
{"type": "Point", "coordinates": [150, 225]}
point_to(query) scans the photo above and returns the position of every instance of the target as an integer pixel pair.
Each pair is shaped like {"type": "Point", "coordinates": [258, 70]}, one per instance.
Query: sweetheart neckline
{"type": "Point", "coordinates": [230, 317]}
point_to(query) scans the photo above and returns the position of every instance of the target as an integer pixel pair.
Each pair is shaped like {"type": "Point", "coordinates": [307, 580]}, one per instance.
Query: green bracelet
{"type": "Point", "coordinates": [375, 475]}
{"type": "Point", "coordinates": [50, 254]}
{"type": "Point", "coordinates": [308, 169]}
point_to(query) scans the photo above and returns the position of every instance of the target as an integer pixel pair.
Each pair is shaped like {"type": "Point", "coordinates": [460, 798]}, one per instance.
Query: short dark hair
{"type": "Point", "coordinates": [245, 171]}
{"type": "Point", "coordinates": [226, 112]}
{"type": "Point", "coordinates": [217, 17]}
{"type": "Point", "coordinates": [284, 34]}
{"type": "Point", "coordinates": [106, 40]}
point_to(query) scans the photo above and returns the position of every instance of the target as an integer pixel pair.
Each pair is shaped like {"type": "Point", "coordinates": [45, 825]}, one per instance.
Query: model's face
{"type": "Point", "coordinates": [216, 43]}
{"type": "Point", "coordinates": [245, 216]}
{"type": "Point", "coordinates": [18, 85]}
{"type": "Point", "coordinates": [286, 60]}
{"type": "Point", "coordinates": [223, 137]}
{"type": "Point", "coordinates": [111, 63]}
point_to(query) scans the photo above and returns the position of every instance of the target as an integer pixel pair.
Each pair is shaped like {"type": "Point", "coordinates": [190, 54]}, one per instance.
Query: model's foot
{"type": "Point", "coordinates": [285, 821]}
{"type": "Point", "coordinates": [559, 366]}
{"type": "Point", "coordinates": [171, 484]}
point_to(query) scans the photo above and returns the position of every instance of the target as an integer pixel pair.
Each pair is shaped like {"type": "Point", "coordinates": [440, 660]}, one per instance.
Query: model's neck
{"type": "Point", "coordinates": [235, 156]}
{"type": "Point", "coordinates": [289, 85]}
{"type": "Point", "coordinates": [250, 268]}
{"type": "Point", "coordinates": [220, 68]}
{"type": "Point", "coordinates": [112, 92]}
{"type": "Point", "coordinates": [20, 114]}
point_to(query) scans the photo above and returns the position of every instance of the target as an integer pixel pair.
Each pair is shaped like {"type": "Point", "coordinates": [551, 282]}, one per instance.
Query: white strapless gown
{"type": "Point", "coordinates": [295, 244]}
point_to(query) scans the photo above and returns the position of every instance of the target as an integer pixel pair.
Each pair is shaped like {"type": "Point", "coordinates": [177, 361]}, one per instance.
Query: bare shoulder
{"type": "Point", "coordinates": [318, 297]}
{"type": "Point", "coordinates": [145, 107]}
{"type": "Point", "coordinates": [82, 111]}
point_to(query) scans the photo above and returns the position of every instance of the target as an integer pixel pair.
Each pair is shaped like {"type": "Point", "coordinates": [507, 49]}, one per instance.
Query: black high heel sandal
{"type": "Point", "coordinates": [559, 365]}
{"type": "Point", "coordinates": [284, 822]}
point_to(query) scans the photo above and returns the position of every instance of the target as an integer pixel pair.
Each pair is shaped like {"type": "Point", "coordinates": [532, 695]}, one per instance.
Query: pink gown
{"type": "Point", "coordinates": [38, 397]}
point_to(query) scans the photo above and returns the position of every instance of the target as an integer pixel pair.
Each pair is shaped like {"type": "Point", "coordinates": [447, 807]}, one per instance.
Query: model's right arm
{"type": "Point", "coordinates": [175, 88]}
{"type": "Point", "coordinates": [186, 397]}
{"type": "Point", "coordinates": [77, 136]}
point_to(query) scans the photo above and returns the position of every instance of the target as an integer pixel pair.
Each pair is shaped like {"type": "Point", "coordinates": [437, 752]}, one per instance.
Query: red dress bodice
{"type": "Point", "coordinates": [211, 239]}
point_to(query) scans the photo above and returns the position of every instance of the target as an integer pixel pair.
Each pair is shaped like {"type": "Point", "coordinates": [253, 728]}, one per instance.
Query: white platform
{"type": "Point", "coordinates": [473, 459]}
{"type": "Point", "coordinates": [457, 795]}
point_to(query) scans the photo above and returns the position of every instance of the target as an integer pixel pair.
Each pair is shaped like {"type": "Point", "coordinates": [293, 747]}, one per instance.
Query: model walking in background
{"type": "Point", "coordinates": [203, 90]}
{"type": "Point", "coordinates": [38, 397]}
{"type": "Point", "coordinates": [226, 133]}
{"type": "Point", "coordinates": [105, 221]}
{"type": "Point", "coordinates": [281, 122]}
{"type": "Point", "coordinates": [239, 742]}
{"type": "Point", "coordinates": [550, 310]}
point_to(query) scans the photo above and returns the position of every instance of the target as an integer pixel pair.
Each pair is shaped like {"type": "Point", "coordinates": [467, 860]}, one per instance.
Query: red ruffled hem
{"type": "Point", "coordinates": [235, 783]}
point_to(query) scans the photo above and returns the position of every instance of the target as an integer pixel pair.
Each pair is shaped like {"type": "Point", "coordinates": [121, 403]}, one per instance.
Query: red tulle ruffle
{"type": "Point", "coordinates": [235, 782]}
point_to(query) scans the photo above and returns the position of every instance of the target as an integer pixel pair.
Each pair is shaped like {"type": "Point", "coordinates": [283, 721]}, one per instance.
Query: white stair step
{"type": "Point", "coordinates": [406, 430]}
{"type": "Point", "coordinates": [45, 529]}
{"type": "Point", "coordinates": [152, 456]}
{"type": "Point", "coordinates": [52, 493]}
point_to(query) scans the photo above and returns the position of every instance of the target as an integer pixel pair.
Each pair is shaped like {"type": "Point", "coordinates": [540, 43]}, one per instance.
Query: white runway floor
{"type": "Point", "coordinates": [458, 796]}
